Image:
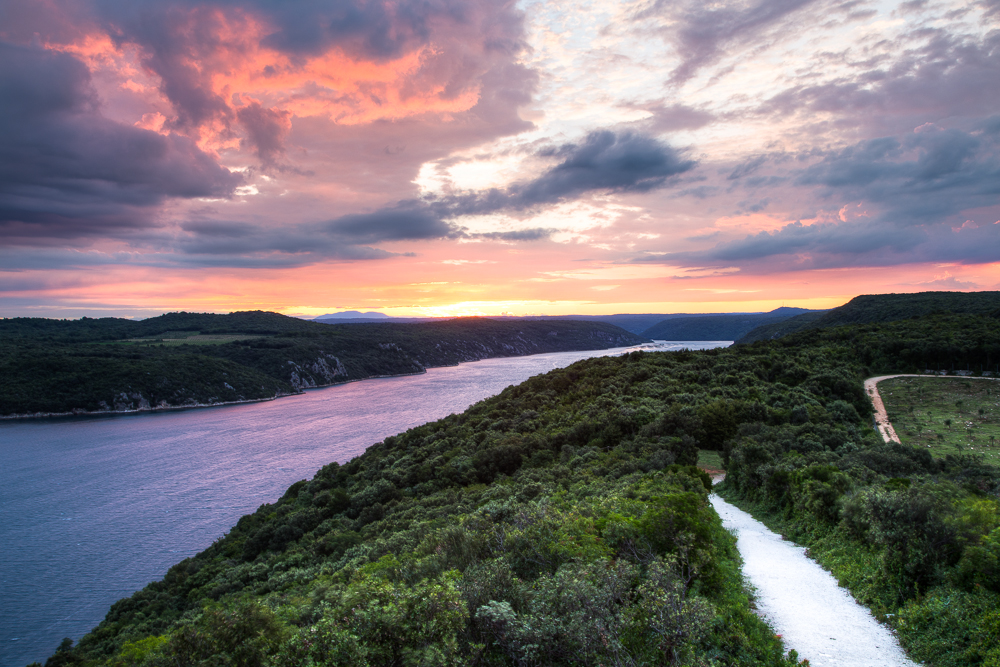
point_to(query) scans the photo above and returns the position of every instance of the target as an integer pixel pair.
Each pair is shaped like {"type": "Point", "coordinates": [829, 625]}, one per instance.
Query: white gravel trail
{"type": "Point", "coordinates": [803, 602]}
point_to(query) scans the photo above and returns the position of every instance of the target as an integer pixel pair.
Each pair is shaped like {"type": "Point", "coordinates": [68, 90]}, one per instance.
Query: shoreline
{"type": "Point", "coordinates": [194, 406]}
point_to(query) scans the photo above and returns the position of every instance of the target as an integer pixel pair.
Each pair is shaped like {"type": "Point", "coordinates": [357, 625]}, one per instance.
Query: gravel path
{"type": "Point", "coordinates": [803, 602]}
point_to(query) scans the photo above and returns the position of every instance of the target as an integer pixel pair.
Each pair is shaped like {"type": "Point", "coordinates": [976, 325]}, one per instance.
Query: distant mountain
{"type": "Point", "coordinates": [872, 308]}
{"type": "Point", "coordinates": [354, 315]}
{"type": "Point", "coordinates": [718, 327]}
{"type": "Point", "coordinates": [791, 311]}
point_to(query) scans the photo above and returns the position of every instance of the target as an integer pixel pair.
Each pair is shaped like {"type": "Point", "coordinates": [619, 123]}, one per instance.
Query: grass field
{"type": "Point", "coordinates": [945, 415]}
{"type": "Point", "coordinates": [174, 338]}
{"type": "Point", "coordinates": [710, 460]}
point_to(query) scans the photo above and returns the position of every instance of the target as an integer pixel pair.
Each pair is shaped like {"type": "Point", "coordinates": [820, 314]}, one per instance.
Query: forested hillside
{"type": "Point", "coordinates": [560, 523]}
{"type": "Point", "coordinates": [185, 359]}
{"type": "Point", "coordinates": [872, 308]}
{"type": "Point", "coordinates": [718, 327]}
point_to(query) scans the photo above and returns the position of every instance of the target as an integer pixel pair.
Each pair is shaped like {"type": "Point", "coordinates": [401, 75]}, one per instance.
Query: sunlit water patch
{"type": "Point", "coordinates": [92, 509]}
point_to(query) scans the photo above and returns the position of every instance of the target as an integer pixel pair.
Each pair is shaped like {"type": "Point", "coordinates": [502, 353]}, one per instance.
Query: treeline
{"type": "Point", "coordinates": [88, 329]}
{"type": "Point", "coordinates": [719, 327]}
{"type": "Point", "coordinates": [58, 366]}
{"type": "Point", "coordinates": [934, 342]}
{"type": "Point", "coordinates": [881, 308]}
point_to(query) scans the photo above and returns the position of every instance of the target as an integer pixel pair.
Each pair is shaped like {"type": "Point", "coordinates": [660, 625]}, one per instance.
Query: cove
{"type": "Point", "coordinates": [94, 508]}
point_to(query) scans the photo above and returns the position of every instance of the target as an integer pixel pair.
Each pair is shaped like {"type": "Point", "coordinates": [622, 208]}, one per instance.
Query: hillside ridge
{"type": "Point", "coordinates": [719, 327]}
{"type": "Point", "coordinates": [876, 308]}
{"type": "Point", "coordinates": [179, 360]}
{"type": "Point", "coordinates": [505, 534]}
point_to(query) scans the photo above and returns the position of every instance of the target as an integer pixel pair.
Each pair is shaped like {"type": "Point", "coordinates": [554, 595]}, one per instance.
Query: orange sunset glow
{"type": "Point", "coordinates": [479, 158]}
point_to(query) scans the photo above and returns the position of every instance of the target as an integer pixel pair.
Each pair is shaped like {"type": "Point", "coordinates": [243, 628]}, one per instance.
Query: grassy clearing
{"type": "Point", "coordinates": [945, 415]}
{"type": "Point", "coordinates": [710, 460]}
{"type": "Point", "coordinates": [175, 338]}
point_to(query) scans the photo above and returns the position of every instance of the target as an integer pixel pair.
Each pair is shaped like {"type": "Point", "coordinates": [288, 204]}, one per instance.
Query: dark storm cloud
{"type": "Point", "coordinates": [68, 172]}
{"type": "Point", "coordinates": [701, 32]}
{"type": "Point", "coordinates": [604, 161]}
{"type": "Point", "coordinates": [370, 27]}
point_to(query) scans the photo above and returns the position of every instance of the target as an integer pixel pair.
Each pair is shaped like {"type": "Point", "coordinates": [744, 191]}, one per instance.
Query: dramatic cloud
{"type": "Point", "coordinates": [829, 245]}
{"type": "Point", "coordinates": [407, 221]}
{"type": "Point", "coordinates": [235, 244]}
{"type": "Point", "coordinates": [927, 176]}
{"type": "Point", "coordinates": [676, 117]}
{"type": "Point", "coordinates": [68, 172]}
{"type": "Point", "coordinates": [914, 192]}
{"type": "Point", "coordinates": [935, 75]}
{"type": "Point", "coordinates": [700, 32]}
{"type": "Point", "coordinates": [353, 61]}
{"type": "Point", "coordinates": [360, 144]}
{"type": "Point", "coordinates": [604, 162]}
{"type": "Point", "coordinates": [266, 130]}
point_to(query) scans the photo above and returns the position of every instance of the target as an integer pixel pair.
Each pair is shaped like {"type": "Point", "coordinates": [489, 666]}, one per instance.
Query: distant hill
{"type": "Point", "coordinates": [876, 308]}
{"type": "Point", "coordinates": [633, 323]}
{"type": "Point", "coordinates": [637, 323]}
{"type": "Point", "coordinates": [769, 330]}
{"type": "Point", "coordinates": [718, 327]}
{"type": "Point", "coordinates": [353, 315]}
{"type": "Point", "coordinates": [190, 359]}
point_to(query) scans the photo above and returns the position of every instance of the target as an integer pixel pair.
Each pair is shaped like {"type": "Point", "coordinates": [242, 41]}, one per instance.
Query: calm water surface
{"type": "Point", "coordinates": [92, 509]}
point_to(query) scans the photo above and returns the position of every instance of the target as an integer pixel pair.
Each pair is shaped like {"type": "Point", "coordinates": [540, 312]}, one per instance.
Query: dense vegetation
{"type": "Point", "coordinates": [874, 308]}
{"type": "Point", "coordinates": [717, 327]}
{"type": "Point", "coordinates": [562, 523]}
{"type": "Point", "coordinates": [557, 523]}
{"type": "Point", "coordinates": [916, 538]}
{"type": "Point", "coordinates": [93, 365]}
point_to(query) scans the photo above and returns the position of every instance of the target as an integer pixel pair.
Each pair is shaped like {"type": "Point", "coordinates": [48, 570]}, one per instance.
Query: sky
{"type": "Point", "coordinates": [463, 157]}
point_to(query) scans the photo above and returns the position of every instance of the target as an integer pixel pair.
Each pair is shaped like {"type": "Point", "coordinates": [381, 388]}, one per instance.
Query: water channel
{"type": "Point", "coordinates": [94, 508]}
